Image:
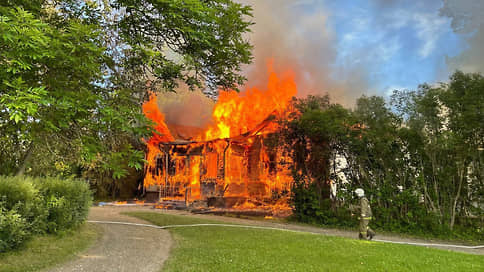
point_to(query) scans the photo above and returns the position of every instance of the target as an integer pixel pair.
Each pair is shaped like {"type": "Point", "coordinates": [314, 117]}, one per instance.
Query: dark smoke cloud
{"type": "Point", "coordinates": [467, 20]}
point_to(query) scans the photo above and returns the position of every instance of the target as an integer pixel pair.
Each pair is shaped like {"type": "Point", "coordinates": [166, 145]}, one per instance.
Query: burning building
{"type": "Point", "coordinates": [236, 162]}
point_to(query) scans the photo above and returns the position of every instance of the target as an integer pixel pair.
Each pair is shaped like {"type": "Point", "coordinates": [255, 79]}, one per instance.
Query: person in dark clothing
{"type": "Point", "coordinates": [365, 216]}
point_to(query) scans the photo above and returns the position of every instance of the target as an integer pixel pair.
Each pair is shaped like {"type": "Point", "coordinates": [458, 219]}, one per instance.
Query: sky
{"type": "Point", "coordinates": [352, 47]}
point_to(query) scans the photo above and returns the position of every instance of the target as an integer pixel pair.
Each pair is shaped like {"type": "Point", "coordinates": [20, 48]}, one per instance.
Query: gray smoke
{"type": "Point", "coordinates": [467, 20]}
{"type": "Point", "coordinates": [297, 36]}
{"type": "Point", "coordinates": [185, 107]}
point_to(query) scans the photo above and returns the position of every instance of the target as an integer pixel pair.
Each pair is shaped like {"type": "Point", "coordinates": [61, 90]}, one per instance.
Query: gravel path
{"type": "Point", "coordinates": [122, 247]}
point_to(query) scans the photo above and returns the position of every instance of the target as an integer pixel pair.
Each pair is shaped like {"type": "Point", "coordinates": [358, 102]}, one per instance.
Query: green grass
{"type": "Point", "coordinates": [456, 237]}
{"type": "Point", "coordinates": [237, 249]}
{"type": "Point", "coordinates": [49, 250]}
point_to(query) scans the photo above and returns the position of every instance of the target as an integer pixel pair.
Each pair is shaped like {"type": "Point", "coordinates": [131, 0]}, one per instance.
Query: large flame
{"type": "Point", "coordinates": [238, 169]}
{"type": "Point", "coordinates": [236, 113]}
{"type": "Point", "coordinates": [151, 110]}
{"type": "Point", "coordinates": [161, 134]}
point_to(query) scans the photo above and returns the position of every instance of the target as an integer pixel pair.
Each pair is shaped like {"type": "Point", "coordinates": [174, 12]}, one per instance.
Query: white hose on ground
{"type": "Point", "coordinates": [271, 228]}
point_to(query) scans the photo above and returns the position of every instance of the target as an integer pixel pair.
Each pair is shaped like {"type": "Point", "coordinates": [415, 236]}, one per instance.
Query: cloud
{"type": "Point", "coordinates": [429, 28]}
{"type": "Point", "coordinates": [343, 49]}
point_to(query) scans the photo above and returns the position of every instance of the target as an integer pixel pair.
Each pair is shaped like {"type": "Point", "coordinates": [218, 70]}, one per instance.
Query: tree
{"type": "Point", "coordinates": [419, 159]}
{"type": "Point", "coordinates": [446, 121]}
{"type": "Point", "coordinates": [314, 139]}
{"type": "Point", "coordinates": [196, 42]}
{"type": "Point", "coordinates": [48, 85]}
{"type": "Point", "coordinates": [73, 75]}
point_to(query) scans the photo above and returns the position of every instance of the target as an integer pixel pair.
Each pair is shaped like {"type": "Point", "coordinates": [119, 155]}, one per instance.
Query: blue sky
{"type": "Point", "coordinates": [403, 45]}
{"type": "Point", "coordinates": [354, 47]}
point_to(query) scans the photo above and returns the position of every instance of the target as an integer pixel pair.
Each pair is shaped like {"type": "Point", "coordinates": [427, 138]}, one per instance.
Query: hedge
{"type": "Point", "coordinates": [32, 206]}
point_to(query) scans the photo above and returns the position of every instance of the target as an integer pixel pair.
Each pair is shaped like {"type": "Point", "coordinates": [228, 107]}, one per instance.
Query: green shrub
{"type": "Point", "coordinates": [401, 213]}
{"type": "Point", "coordinates": [20, 194]}
{"type": "Point", "coordinates": [308, 207]}
{"type": "Point", "coordinates": [67, 202]}
{"type": "Point", "coordinates": [39, 205]}
{"type": "Point", "coordinates": [13, 229]}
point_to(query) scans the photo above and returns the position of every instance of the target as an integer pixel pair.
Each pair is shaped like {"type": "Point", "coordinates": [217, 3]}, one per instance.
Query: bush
{"type": "Point", "coordinates": [19, 194]}
{"type": "Point", "coordinates": [402, 213]}
{"type": "Point", "coordinates": [13, 229]}
{"type": "Point", "coordinates": [308, 207]}
{"type": "Point", "coordinates": [40, 205]}
{"type": "Point", "coordinates": [67, 202]}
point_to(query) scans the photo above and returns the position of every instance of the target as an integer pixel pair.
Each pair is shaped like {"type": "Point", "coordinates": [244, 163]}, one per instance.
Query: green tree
{"type": "Point", "coordinates": [73, 75]}
{"type": "Point", "coordinates": [199, 43]}
{"type": "Point", "coordinates": [447, 126]}
{"type": "Point", "coordinates": [314, 140]}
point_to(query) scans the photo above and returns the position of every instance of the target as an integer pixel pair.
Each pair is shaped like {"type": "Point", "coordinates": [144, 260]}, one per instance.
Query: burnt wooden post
{"type": "Point", "coordinates": [224, 159]}
{"type": "Point", "coordinates": [188, 195]}
{"type": "Point", "coordinates": [165, 151]}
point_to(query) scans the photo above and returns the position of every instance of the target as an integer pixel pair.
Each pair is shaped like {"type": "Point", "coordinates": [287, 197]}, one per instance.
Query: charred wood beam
{"type": "Point", "coordinates": [224, 159]}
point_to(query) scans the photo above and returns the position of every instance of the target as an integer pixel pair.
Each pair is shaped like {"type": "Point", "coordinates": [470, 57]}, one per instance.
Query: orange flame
{"type": "Point", "coordinates": [151, 110]}
{"type": "Point", "coordinates": [220, 163]}
{"type": "Point", "coordinates": [236, 113]}
{"type": "Point", "coordinates": [160, 134]}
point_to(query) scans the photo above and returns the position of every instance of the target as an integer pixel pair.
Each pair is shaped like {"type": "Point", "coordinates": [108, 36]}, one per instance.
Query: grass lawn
{"type": "Point", "coordinates": [212, 248]}
{"type": "Point", "coordinates": [49, 250]}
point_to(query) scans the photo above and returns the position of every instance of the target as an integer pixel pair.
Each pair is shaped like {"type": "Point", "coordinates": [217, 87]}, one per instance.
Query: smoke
{"type": "Point", "coordinates": [185, 107]}
{"type": "Point", "coordinates": [467, 19]}
{"type": "Point", "coordinates": [294, 38]}
{"type": "Point", "coordinates": [296, 35]}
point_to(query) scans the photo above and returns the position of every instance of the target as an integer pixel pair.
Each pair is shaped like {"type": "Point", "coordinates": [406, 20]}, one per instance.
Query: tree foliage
{"type": "Point", "coordinates": [73, 76]}
{"type": "Point", "coordinates": [312, 139]}
{"type": "Point", "coordinates": [419, 159]}
{"type": "Point", "coordinates": [195, 42]}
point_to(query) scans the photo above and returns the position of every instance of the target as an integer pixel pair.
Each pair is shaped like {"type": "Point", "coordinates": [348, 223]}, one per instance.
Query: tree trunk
{"type": "Point", "coordinates": [461, 179]}
{"type": "Point", "coordinates": [426, 194]}
{"type": "Point", "coordinates": [25, 159]}
{"type": "Point", "coordinates": [436, 188]}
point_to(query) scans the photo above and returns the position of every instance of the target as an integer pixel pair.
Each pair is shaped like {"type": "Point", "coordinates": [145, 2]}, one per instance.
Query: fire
{"type": "Point", "coordinates": [233, 160]}
{"type": "Point", "coordinates": [151, 110]}
{"type": "Point", "coordinates": [236, 113]}
{"type": "Point", "coordinates": [161, 134]}
{"type": "Point", "coordinates": [195, 178]}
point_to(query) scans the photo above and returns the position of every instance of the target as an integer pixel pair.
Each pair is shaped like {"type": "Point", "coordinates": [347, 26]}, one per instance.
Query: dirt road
{"type": "Point", "coordinates": [122, 247]}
